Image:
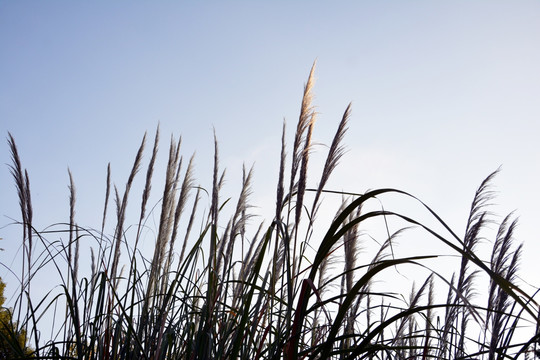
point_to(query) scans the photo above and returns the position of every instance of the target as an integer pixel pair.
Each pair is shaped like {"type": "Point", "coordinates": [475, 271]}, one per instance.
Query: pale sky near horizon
{"type": "Point", "coordinates": [443, 94]}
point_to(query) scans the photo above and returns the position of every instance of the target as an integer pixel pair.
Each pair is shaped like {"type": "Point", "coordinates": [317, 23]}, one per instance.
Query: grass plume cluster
{"type": "Point", "coordinates": [278, 290]}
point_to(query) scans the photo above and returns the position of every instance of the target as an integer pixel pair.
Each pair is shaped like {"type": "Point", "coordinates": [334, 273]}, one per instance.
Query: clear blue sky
{"type": "Point", "coordinates": [443, 94]}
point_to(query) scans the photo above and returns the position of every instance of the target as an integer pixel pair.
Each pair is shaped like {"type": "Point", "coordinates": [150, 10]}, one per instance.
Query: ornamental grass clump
{"type": "Point", "coordinates": [281, 289]}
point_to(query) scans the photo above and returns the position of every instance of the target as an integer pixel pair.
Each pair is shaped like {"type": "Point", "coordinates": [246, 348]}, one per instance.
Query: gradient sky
{"type": "Point", "coordinates": [443, 94]}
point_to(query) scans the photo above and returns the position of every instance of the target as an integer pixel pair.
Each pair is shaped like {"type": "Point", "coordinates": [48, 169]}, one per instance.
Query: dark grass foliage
{"type": "Point", "coordinates": [220, 286]}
